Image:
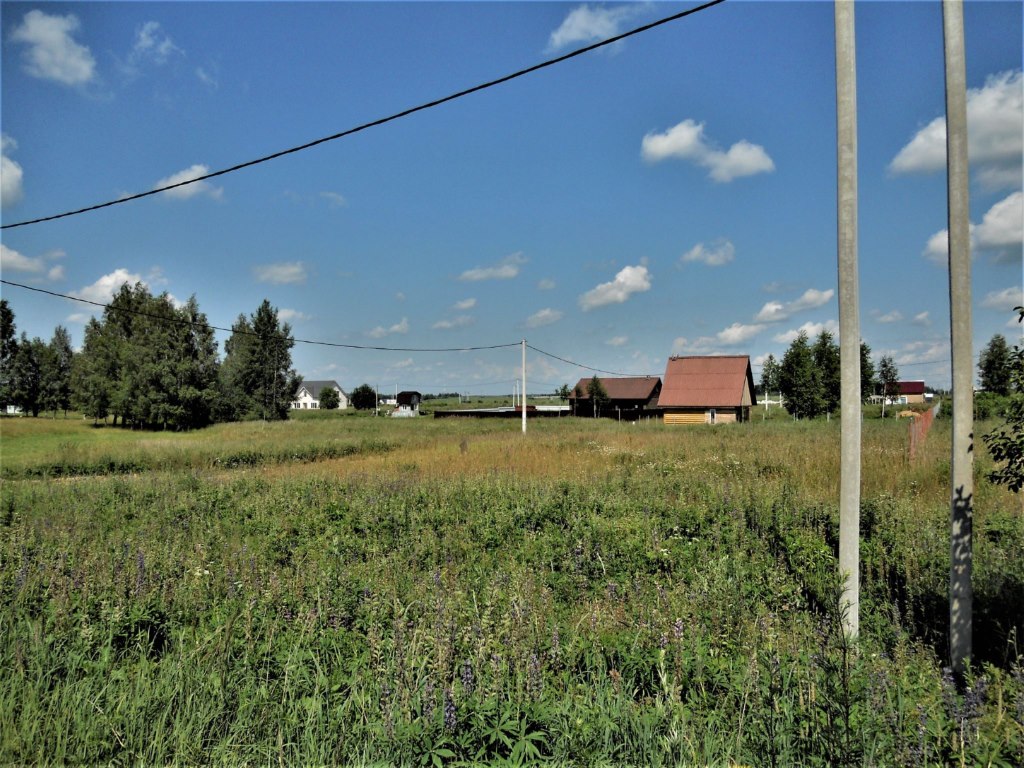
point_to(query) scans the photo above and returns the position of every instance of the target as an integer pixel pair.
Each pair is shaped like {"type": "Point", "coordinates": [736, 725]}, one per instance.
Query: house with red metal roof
{"type": "Point", "coordinates": [715, 389]}
{"type": "Point", "coordinates": [626, 397]}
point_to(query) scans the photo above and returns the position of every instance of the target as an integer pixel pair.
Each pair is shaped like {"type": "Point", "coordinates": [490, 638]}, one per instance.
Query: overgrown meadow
{"type": "Point", "coordinates": [356, 591]}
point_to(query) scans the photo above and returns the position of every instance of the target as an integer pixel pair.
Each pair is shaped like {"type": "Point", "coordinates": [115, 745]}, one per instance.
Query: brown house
{"type": "Point", "coordinates": [629, 397]}
{"type": "Point", "coordinates": [707, 390]}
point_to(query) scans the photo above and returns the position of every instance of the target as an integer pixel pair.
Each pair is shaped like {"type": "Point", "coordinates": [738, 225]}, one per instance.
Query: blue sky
{"type": "Point", "coordinates": [673, 194]}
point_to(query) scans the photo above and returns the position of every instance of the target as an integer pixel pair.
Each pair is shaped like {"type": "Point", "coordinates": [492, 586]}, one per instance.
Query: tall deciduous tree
{"type": "Point", "coordinates": [1006, 443]}
{"type": "Point", "coordinates": [597, 394]}
{"type": "Point", "coordinates": [363, 398]}
{"type": "Point", "coordinates": [56, 373]}
{"type": "Point", "coordinates": [260, 382]}
{"type": "Point", "coordinates": [826, 361]}
{"type": "Point", "coordinates": [8, 348]}
{"type": "Point", "coordinates": [27, 374]}
{"type": "Point", "coordinates": [889, 379]}
{"type": "Point", "coordinates": [799, 380]}
{"type": "Point", "coordinates": [867, 372]}
{"type": "Point", "coordinates": [995, 366]}
{"type": "Point", "coordinates": [329, 398]}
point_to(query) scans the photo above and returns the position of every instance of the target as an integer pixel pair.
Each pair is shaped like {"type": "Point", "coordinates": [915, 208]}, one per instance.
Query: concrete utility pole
{"type": "Point", "coordinates": [849, 317]}
{"type": "Point", "coordinates": [522, 400]}
{"type": "Point", "coordinates": [961, 515]}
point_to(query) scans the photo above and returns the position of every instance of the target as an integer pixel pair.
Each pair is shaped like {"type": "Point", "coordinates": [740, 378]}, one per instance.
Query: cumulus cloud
{"type": "Point", "coordinates": [891, 317]}
{"type": "Point", "coordinates": [505, 269]}
{"type": "Point", "coordinates": [1001, 230]}
{"type": "Point", "coordinates": [686, 141]}
{"type": "Point", "coordinates": [291, 315]}
{"type": "Point", "coordinates": [52, 51]}
{"type": "Point", "coordinates": [617, 341]}
{"type": "Point", "coordinates": [777, 311]}
{"type": "Point", "coordinates": [103, 290]}
{"type": "Point", "coordinates": [282, 273]}
{"type": "Point", "coordinates": [995, 126]}
{"type": "Point", "coordinates": [587, 24]}
{"type": "Point", "coordinates": [465, 304]}
{"type": "Point", "coordinates": [922, 319]}
{"type": "Point", "coordinates": [546, 284]}
{"type": "Point", "coordinates": [811, 329]}
{"type": "Point", "coordinates": [11, 175]}
{"type": "Point", "coordinates": [380, 331]}
{"type": "Point", "coordinates": [13, 261]}
{"type": "Point", "coordinates": [737, 333]}
{"type": "Point", "coordinates": [718, 254]}
{"type": "Point", "coordinates": [189, 190]}
{"type": "Point", "coordinates": [628, 281]}
{"type": "Point", "coordinates": [1004, 300]}
{"type": "Point", "coordinates": [462, 321]}
{"type": "Point", "coordinates": [546, 316]}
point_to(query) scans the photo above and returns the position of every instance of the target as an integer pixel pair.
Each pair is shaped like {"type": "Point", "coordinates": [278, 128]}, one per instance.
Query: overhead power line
{"type": "Point", "coordinates": [379, 121]}
{"type": "Point", "coordinates": [196, 324]}
{"type": "Point", "coordinates": [587, 367]}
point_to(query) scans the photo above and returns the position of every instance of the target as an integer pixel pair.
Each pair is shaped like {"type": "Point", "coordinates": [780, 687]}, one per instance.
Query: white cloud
{"type": "Point", "coordinates": [737, 333]}
{"type": "Point", "coordinates": [11, 175]}
{"type": "Point", "coordinates": [399, 296]}
{"type": "Point", "coordinates": [79, 317]}
{"type": "Point", "coordinates": [465, 304]}
{"type": "Point", "coordinates": [207, 78]}
{"type": "Point", "coordinates": [995, 125]}
{"type": "Point", "coordinates": [718, 254]}
{"type": "Point", "coordinates": [587, 24]}
{"type": "Point", "coordinates": [462, 321]}
{"type": "Point", "coordinates": [922, 319]}
{"type": "Point", "coordinates": [617, 341]}
{"type": "Point", "coordinates": [1004, 300]}
{"type": "Point", "coordinates": [53, 54]}
{"type": "Point", "coordinates": [190, 190]}
{"type": "Point", "coordinates": [776, 311]}
{"type": "Point", "coordinates": [152, 44]}
{"type": "Point", "coordinates": [811, 329]}
{"type": "Point", "coordinates": [13, 261]}
{"type": "Point", "coordinates": [891, 317]}
{"type": "Point", "coordinates": [686, 141]}
{"type": "Point", "coordinates": [546, 284]}
{"type": "Point", "coordinates": [103, 290]}
{"type": "Point", "coordinates": [291, 315]}
{"type": "Point", "coordinates": [1001, 229]}
{"type": "Point", "coordinates": [334, 199]}
{"type": "Point", "coordinates": [546, 316]}
{"type": "Point", "coordinates": [380, 331]}
{"type": "Point", "coordinates": [505, 269]}
{"type": "Point", "coordinates": [282, 273]}
{"type": "Point", "coordinates": [1003, 224]}
{"type": "Point", "coordinates": [628, 281]}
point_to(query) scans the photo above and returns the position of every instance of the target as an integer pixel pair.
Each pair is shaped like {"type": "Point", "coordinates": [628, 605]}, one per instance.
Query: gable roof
{"type": "Point", "coordinates": [409, 397]}
{"type": "Point", "coordinates": [620, 387]}
{"type": "Point", "coordinates": [911, 387]}
{"type": "Point", "coordinates": [707, 382]}
{"type": "Point", "coordinates": [314, 387]}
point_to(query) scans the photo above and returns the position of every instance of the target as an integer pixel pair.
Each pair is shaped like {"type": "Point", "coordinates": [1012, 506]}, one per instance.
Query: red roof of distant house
{"type": "Point", "coordinates": [911, 387]}
{"type": "Point", "coordinates": [706, 382]}
{"type": "Point", "coordinates": [620, 387]}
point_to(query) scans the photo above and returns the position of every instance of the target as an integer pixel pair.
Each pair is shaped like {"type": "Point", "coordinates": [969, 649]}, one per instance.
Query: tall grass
{"type": "Point", "coordinates": [592, 594]}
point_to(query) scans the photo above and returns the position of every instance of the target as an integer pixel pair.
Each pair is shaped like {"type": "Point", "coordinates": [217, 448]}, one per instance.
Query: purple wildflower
{"type": "Point", "coordinates": [451, 714]}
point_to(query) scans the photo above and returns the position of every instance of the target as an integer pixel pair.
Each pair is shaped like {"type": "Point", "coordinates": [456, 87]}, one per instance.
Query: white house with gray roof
{"type": "Point", "coordinates": [308, 396]}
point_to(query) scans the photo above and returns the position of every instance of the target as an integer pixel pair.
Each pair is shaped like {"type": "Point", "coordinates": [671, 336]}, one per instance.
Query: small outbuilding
{"type": "Point", "coordinates": [626, 397]}
{"type": "Point", "coordinates": [408, 404]}
{"type": "Point", "coordinates": [715, 389]}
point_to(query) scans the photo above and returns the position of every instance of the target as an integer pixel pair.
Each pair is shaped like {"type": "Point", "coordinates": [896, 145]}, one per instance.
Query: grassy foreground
{"type": "Point", "coordinates": [356, 591]}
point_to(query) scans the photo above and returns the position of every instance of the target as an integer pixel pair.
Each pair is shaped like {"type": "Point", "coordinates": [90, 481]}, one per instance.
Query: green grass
{"type": "Point", "coordinates": [592, 594]}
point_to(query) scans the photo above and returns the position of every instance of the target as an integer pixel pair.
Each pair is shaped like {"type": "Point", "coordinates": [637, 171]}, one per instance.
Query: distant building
{"type": "Point", "coordinates": [909, 392]}
{"type": "Point", "coordinates": [707, 390]}
{"type": "Point", "coordinates": [408, 404]}
{"type": "Point", "coordinates": [308, 396]}
{"type": "Point", "coordinates": [629, 397]}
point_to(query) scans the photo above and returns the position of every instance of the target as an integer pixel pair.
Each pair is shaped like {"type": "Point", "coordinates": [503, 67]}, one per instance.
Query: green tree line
{"type": "Point", "coordinates": [151, 364]}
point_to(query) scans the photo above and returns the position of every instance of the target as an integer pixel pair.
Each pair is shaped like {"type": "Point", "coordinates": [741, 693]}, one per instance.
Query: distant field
{"type": "Point", "coordinates": [344, 589]}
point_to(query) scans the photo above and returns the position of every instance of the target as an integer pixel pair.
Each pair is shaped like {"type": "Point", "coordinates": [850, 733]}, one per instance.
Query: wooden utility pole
{"type": "Point", "coordinates": [849, 317]}
{"type": "Point", "coordinates": [961, 515]}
